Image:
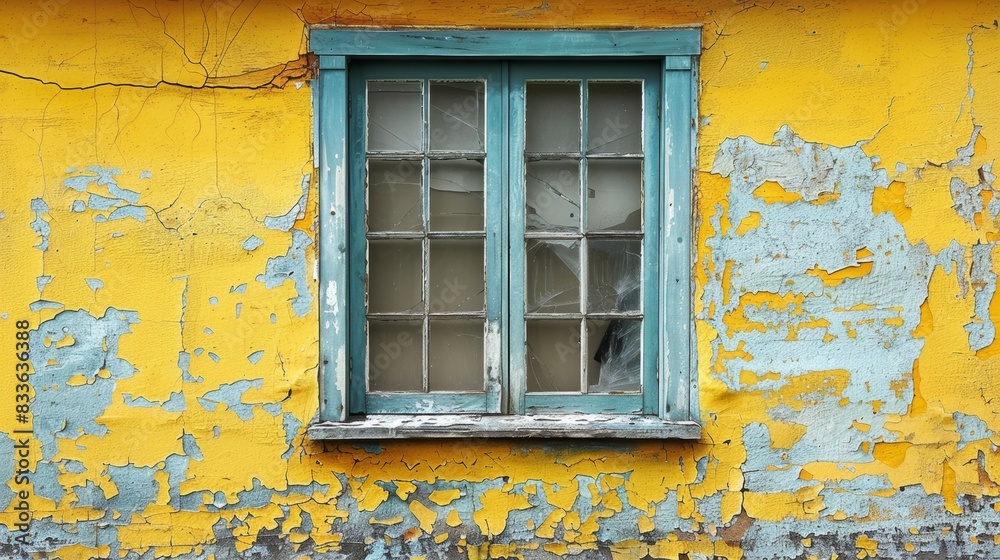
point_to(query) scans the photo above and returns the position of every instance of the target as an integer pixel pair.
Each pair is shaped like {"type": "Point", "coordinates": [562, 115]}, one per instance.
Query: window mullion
{"type": "Point", "coordinates": [517, 368]}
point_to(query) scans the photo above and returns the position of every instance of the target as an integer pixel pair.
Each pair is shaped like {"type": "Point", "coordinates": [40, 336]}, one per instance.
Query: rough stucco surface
{"type": "Point", "coordinates": [158, 222]}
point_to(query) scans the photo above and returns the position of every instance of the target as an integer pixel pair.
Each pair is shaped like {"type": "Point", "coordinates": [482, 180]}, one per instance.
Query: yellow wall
{"type": "Point", "coordinates": [158, 210]}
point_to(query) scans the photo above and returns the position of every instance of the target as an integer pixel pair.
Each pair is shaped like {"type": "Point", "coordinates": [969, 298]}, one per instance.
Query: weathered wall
{"type": "Point", "coordinates": [158, 237]}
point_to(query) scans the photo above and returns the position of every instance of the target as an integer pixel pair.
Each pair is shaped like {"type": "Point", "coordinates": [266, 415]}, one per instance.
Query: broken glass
{"type": "Point", "coordinates": [553, 276]}
{"type": "Point", "coordinates": [395, 116]}
{"type": "Point", "coordinates": [614, 275]}
{"type": "Point", "coordinates": [614, 200]}
{"type": "Point", "coordinates": [394, 200]}
{"type": "Point", "coordinates": [552, 117]}
{"type": "Point", "coordinates": [614, 118]}
{"type": "Point", "coordinates": [457, 277]}
{"type": "Point", "coordinates": [552, 195]}
{"type": "Point", "coordinates": [395, 282]}
{"type": "Point", "coordinates": [458, 114]}
{"type": "Point", "coordinates": [395, 356]}
{"type": "Point", "coordinates": [456, 195]}
{"type": "Point", "coordinates": [456, 355]}
{"type": "Point", "coordinates": [615, 350]}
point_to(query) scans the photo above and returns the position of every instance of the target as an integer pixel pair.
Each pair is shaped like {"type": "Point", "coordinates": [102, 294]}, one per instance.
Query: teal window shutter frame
{"type": "Point", "coordinates": [356, 66]}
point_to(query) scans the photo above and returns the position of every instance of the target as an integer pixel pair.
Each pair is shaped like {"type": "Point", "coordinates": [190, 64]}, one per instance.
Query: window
{"type": "Point", "coordinates": [505, 233]}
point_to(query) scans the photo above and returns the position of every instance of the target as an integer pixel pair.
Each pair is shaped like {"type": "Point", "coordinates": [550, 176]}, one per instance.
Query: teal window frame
{"type": "Point", "coordinates": [668, 403]}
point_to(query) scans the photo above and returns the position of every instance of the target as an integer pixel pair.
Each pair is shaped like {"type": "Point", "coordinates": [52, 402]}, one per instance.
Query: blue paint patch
{"type": "Point", "coordinates": [42, 281]}
{"type": "Point", "coordinates": [239, 309]}
{"type": "Point", "coordinates": [274, 409]}
{"type": "Point", "coordinates": [176, 402]}
{"type": "Point", "coordinates": [253, 242]}
{"type": "Point", "coordinates": [215, 357]}
{"type": "Point", "coordinates": [45, 479]}
{"type": "Point", "coordinates": [41, 304]}
{"type": "Point", "coordinates": [982, 331]}
{"type": "Point", "coordinates": [145, 174]}
{"type": "Point", "coordinates": [231, 394]}
{"type": "Point", "coordinates": [78, 206]}
{"type": "Point", "coordinates": [198, 351]}
{"type": "Point", "coordinates": [291, 424]}
{"type": "Point", "coordinates": [184, 364]}
{"type": "Point", "coordinates": [126, 195]}
{"type": "Point", "coordinates": [255, 357]}
{"type": "Point", "coordinates": [970, 429]}
{"type": "Point", "coordinates": [880, 310]}
{"type": "Point", "coordinates": [78, 183]}
{"type": "Point", "coordinates": [6, 470]}
{"type": "Point", "coordinates": [71, 411]}
{"type": "Point", "coordinates": [291, 266]}
{"type": "Point", "coordinates": [40, 225]}
{"type": "Point", "coordinates": [191, 448]}
{"type": "Point", "coordinates": [274, 318]}
{"type": "Point", "coordinates": [101, 203]}
{"type": "Point", "coordinates": [94, 283]}
{"type": "Point", "coordinates": [134, 212]}
{"type": "Point", "coordinates": [137, 488]}
{"type": "Point", "coordinates": [297, 212]}
{"type": "Point", "coordinates": [213, 300]}
{"type": "Point", "coordinates": [241, 289]}
{"type": "Point", "coordinates": [256, 497]}
{"type": "Point", "coordinates": [216, 432]}
{"type": "Point", "coordinates": [208, 331]}
{"type": "Point", "coordinates": [74, 467]}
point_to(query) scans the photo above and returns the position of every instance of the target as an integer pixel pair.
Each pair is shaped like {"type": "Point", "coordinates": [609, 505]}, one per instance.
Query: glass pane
{"type": "Point", "coordinates": [394, 276]}
{"type": "Point", "coordinates": [614, 195]}
{"type": "Point", "coordinates": [394, 201]}
{"type": "Point", "coordinates": [457, 275]}
{"type": "Point", "coordinates": [395, 116]}
{"type": "Point", "coordinates": [552, 114]}
{"type": "Point", "coordinates": [458, 114]}
{"type": "Point", "coordinates": [457, 195]}
{"type": "Point", "coordinates": [614, 275]}
{"type": "Point", "coordinates": [553, 276]}
{"type": "Point", "coordinates": [395, 356]}
{"type": "Point", "coordinates": [553, 355]}
{"type": "Point", "coordinates": [552, 195]}
{"type": "Point", "coordinates": [614, 117]}
{"type": "Point", "coordinates": [456, 355]}
{"type": "Point", "coordinates": [614, 348]}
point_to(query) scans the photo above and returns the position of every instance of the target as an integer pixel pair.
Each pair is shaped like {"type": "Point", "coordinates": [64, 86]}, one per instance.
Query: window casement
{"type": "Point", "coordinates": [505, 233]}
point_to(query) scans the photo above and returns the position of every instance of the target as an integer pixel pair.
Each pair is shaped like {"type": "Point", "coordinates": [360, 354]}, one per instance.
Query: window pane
{"type": "Point", "coordinates": [553, 276]}
{"type": "Point", "coordinates": [614, 117]}
{"type": "Point", "coordinates": [553, 355]}
{"type": "Point", "coordinates": [552, 195]}
{"type": "Point", "coordinates": [614, 188]}
{"type": "Point", "coordinates": [394, 276]}
{"type": "Point", "coordinates": [458, 113]}
{"type": "Point", "coordinates": [615, 348]}
{"type": "Point", "coordinates": [552, 112]}
{"type": "Point", "coordinates": [395, 116]}
{"type": "Point", "coordinates": [457, 195]}
{"type": "Point", "coordinates": [395, 356]}
{"type": "Point", "coordinates": [614, 275]}
{"type": "Point", "coordinates": [457, 275]}
{"type": "Point", "coordinates": [394, 201]}
{"type": "Point", "coordinates": [456, 355]}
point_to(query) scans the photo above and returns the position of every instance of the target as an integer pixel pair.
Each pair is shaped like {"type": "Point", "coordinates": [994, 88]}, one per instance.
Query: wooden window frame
{"type": "Point", "coordinates": [672, 410]}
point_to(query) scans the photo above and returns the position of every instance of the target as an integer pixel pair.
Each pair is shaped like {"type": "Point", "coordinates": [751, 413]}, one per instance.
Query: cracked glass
{"type": "Point", "coordinates": [583, 236]}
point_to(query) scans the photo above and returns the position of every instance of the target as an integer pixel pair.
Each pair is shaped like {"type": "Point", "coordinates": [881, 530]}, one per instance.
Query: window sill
{"type": "Point", "coordinates": [392, 426]}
